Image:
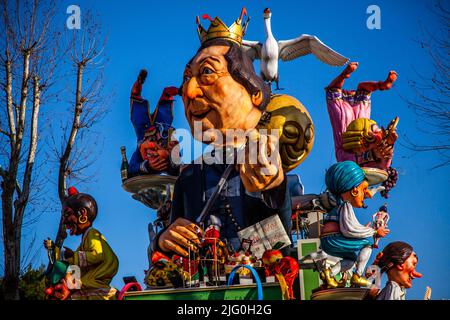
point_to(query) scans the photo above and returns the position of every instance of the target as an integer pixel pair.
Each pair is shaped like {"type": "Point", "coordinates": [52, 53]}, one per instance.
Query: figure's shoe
{"type": "Point", "coordinates": [359, 281]}
{"type": "Point", "coordinates": [343, 282]}
{"type": "Point", "coordinates": [387, 84]}
{"type": "Point", "coordinates": [351, 67]}
{"type": "Point", "coordinates": [328, 279]}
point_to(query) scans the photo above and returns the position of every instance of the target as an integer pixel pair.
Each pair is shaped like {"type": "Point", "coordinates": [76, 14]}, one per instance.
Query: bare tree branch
{"type": "Point", "coordinates": [88, 108]}
{"type": "Point", "coordinates": [432, 95]}
{"type": "Point", "coordinates": [25, 38]}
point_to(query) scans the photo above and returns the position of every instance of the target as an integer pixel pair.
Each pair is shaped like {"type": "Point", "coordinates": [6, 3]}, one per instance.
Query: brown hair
{"type": "Point", "coordinates": [241, 69]}
{"type": "Point", "coordinates": [395, 253]}
{"type": "Point", "coordinates": [82, 200]}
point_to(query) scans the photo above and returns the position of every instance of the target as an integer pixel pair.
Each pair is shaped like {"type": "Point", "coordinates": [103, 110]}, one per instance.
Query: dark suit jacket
{"type": "Point", "coordinates": [188, 199]}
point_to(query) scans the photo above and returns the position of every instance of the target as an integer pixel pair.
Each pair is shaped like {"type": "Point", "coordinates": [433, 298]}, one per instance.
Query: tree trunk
{"type": "Point", "coordinates": [10, 284]}
{"type": "Point", "coordinates": [13, 210]}
{"type": "Point", "coordinates": [23, 39]}
{"type": "Point", "coordinates": [64, 161]}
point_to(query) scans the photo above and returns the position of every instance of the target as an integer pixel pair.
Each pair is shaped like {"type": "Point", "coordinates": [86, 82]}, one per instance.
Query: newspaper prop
{"type": "Point", "coordinates": [265, 234]}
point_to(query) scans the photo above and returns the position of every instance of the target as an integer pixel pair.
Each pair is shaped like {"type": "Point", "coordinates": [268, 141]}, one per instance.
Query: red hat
{"type": "Point", "coordinates": [71, 191]}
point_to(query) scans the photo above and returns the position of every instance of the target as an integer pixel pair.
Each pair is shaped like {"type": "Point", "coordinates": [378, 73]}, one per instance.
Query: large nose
{"type": "Point", "coordinates": [368, 194]}
{"type": "Point", "coordinates": [193, 90]}
{"type": "Point", "coordinates": [416, 274]}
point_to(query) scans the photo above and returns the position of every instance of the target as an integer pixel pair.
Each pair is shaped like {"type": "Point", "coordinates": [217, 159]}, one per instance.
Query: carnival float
{"type": "Point", "coordinates": [243, 230]}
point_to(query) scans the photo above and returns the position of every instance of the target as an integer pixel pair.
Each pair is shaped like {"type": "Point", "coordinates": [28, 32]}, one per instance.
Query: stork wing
{"type": "Point", "coordinates": [306, 44]}
{"type": "Point", "coordinates": [252, 49]}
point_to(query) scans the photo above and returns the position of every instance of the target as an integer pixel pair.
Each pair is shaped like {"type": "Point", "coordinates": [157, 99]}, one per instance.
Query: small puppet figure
{"type": "Point", "coordinates": [379, 219]}
{"type": "Point", "coordinates": [213, 251]}
{"type": "Point", "coordinates": [165, 272]}
{"type": "Point", "coordinates": [242, 256]}
{"type": "Point", "coordinates": [356, 136]}
{"type": "Point", "coordinates": [343, 235]}
{"type": "Point", "coordinates": [95, 258]}
{"type": "Point", "coordinates": [284, 268]}
{"type": "Point", "coordinates": [56, 286]}
{"type": "Point", "coordinates": [399, 261]}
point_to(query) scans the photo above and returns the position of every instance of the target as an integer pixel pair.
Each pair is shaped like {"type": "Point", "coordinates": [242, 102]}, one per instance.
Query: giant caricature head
{"type": "Point", "coordinates": [79, 211]}
{"type": "Point", "coordinates": [221, 90]}
{"type": "Point", "coordinates": [399, 261]}
{"type": "Point", "coordinates": [348, 182]}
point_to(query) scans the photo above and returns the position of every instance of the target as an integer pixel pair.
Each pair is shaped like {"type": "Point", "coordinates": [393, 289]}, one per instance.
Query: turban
{"type": "Point", "coordinates": [343, 176]}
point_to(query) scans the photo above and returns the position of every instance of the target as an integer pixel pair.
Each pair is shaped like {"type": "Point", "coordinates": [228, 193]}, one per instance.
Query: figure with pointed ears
{"type": "Point", "coordinates": [95, 258]}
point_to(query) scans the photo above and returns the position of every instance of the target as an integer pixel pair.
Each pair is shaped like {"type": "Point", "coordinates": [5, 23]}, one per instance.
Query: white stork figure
{"type": "Point", "coordinates": [271, 50]}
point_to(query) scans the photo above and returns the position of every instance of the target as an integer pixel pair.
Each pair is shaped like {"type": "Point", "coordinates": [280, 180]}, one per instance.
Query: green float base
{"type": "Point", "coordinates": [271, 291]}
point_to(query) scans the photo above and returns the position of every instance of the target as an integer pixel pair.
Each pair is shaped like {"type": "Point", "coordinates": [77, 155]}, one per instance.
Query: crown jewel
{"type": "Point", "coordinates": [218, 29]}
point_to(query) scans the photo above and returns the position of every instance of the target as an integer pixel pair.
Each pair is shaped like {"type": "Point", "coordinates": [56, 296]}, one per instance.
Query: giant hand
{"type": "Point", "coordinates": [267, 172]}
{"type": "Point", "coordinates": [180, 236]}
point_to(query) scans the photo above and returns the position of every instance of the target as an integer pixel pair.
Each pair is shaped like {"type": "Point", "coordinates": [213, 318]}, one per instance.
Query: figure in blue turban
{"type": "Point", "coordinates": [343, 236]}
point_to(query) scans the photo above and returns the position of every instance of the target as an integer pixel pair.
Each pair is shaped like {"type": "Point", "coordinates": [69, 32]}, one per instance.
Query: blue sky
{"type": "Point", "coordinates": [161, 37]}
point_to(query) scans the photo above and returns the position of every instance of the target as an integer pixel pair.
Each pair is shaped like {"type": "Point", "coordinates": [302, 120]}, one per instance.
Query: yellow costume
{"type": "Point", "coordinates": [98, 265]}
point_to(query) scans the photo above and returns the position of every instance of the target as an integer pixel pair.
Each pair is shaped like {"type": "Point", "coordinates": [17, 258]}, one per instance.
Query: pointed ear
{"type": "Point", "coordinates": [257, 98]}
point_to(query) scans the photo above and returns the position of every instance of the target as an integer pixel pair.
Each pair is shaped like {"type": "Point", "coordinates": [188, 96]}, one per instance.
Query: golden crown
{"type": "Point", "coordinates": [218, 29]}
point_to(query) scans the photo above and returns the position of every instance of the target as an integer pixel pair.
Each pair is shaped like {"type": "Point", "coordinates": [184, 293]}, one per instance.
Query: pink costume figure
{"type": "Point", "coordinates": [345, 106]}
{"type": "Point", "coordinates": [379, 219]}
